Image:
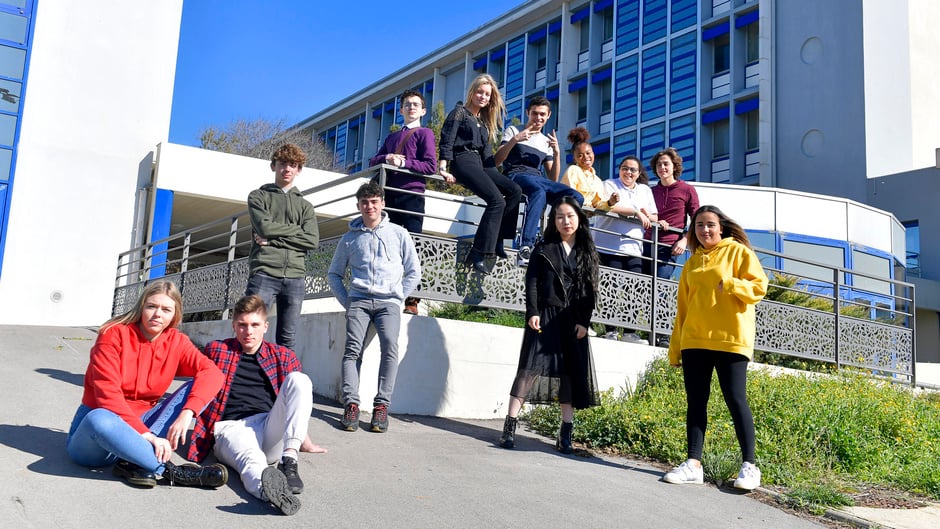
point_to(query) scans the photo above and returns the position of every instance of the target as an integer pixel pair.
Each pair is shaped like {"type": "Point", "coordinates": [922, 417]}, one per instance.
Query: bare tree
{"type": "Point", "coordinates": [259, 138]}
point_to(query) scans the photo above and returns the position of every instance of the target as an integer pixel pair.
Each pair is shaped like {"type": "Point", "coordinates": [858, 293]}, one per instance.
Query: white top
{"type": "Point", "coordinates": [640, 197]}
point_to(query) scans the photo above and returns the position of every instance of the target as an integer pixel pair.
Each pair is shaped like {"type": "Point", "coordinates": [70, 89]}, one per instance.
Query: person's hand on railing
{"type": "Point", "coordinates": [260, 241]}
{"type": "Point", "coordinates": [644, 218]}
{"type": "Point", "coordinates": [442, 170]}
{"type": "Point", "coordinates": [398, 160]}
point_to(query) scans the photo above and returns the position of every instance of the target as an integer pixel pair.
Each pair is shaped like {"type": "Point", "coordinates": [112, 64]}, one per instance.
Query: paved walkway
{"type": "Point", "coordinates": [425, 472]}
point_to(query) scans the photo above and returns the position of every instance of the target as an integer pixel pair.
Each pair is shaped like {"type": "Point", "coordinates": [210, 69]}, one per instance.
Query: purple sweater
{"type": "Point", "coordinates": [674, 203]}
{"type": "Point", "coordinates": [420, 156]}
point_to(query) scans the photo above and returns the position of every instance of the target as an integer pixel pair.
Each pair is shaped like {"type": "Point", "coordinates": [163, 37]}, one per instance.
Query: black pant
{"type": "Point", "coordinates": [697, 367]}
{"type": "Point", "coordinates": [501, 195]}
{"type": "Point", "coordinates": [407, 202]}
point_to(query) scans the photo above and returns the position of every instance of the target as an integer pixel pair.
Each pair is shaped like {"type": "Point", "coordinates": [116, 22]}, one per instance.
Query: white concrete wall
{"type": "Point", "coordinates": [447, 368]}
{"type": "Point", "coordinates": [97, 100]}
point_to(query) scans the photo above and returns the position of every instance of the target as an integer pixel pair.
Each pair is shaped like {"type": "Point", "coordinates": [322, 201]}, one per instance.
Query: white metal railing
{"type": "Point", "coordinates": [847, 325]}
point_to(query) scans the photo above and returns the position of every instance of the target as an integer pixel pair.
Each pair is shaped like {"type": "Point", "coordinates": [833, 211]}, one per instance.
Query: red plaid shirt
{"type": "Point", "coordinates": [277, 362]}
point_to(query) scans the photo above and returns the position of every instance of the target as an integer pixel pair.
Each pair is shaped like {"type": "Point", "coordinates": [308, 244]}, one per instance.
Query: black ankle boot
{"type": "Point", "coordinates": [134, 475]}
{"type": "Point", "coordinates": [563, 444]}
{"type": "Point", "coordinates": [508, 439]}
{"type": "Point", "coordinates": [193, 475]}
{"type": "Point", "coordinates": [477, 260]}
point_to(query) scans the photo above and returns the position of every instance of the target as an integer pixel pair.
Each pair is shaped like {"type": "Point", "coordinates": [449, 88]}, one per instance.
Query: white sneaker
{"type": "Point", "coordinates": [748, 477]}
{"type": "Point", "coordinates": [612, 335]}
{"type": "Point", "coordinates": [687, 472]}
{"type": "Point", "coordinates": [523, 256]}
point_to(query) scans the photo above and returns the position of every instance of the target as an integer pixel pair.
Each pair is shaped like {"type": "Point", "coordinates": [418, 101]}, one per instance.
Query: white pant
{"type": "Point", "coordinates": [251, 444]}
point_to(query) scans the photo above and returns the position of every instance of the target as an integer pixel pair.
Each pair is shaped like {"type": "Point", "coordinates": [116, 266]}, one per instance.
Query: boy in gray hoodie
{"type": "Point", "coordinates": [384, 269]}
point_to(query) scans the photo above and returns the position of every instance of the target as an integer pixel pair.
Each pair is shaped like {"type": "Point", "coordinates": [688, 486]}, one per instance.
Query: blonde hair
{"type": "Point", "coordinates": [162, 286]}
{"type": "Point", "coordinates": [494, 113]}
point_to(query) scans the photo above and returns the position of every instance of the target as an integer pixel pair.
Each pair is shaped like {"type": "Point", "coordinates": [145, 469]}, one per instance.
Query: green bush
{"type": "Point", "coordinates": [818, 437]}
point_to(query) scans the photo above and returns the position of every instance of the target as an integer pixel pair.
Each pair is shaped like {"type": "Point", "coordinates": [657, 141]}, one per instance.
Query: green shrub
{"type": "Point", "coordinates": [817, 436]}
{"type": "Point", "coordinates": [459, 311]}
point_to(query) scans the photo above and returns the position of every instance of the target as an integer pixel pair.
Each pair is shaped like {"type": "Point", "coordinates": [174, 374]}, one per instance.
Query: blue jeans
{"type": "Point", "coordinates": [665, 261]}
{"type": "Point", "coordinates": [539, 191]}
{"type": "Point", "coordinates": [289, 294]}
{"type": "Point", "coordinates": [386, 316]}
{"type": "Point", "coordinates": [99, 437]}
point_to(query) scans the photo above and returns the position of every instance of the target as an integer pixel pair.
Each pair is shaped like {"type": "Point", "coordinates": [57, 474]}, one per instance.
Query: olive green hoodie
{"type": "Point", "coordinates": [287, 221]}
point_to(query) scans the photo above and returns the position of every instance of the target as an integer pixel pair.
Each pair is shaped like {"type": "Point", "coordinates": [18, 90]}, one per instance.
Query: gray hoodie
{"type": "Point", "coordinates": [383, 263]}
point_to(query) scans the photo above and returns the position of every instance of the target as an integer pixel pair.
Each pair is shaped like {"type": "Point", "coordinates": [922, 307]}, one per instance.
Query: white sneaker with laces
{"type": "Point", "coordinates": [748, 477]}
{"type": "Point", "coordinates": [631, 337]}
{"type": "Point", "coordinates": [523, 256]}
{"type": "Point", "coordinates": [687, 472]}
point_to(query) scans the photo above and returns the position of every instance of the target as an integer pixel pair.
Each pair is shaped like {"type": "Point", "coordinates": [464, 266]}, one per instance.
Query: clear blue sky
{"type": "Point", "coordinates": [292, 58]}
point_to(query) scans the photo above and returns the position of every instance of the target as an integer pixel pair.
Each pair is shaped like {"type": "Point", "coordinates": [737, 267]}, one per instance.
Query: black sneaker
{"type": "Point", "coordinates": [523, 256]}
{"type": "Point", "coordinates": [274, 489]}
{"type": "Point", "coordinates": [134, 474]}
{"type": "Point", "coordinates": [662, 341]}
{"type": "Point", "coordinates": [380, 418]}
{"type": "Point", "coordinates": [350, 420]}
{"type": "Point", "coordinates": [192, 475]}
{"type": "Point", "coordinates": [288, 467]}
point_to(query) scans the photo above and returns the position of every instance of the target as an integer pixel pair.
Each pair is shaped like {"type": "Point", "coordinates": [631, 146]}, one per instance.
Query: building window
{"type": "Point", "coordinates": [912, 245]}
{"type": "Point", "coordinates": [751, 130]}
{"type": "Point", "coordinates": [582, 106]}
{"type": "Point", "coordinates": [497, 68]}
{"type": "Point", "coordinates": [605, 118]}
{"type": "Point", "coordinates": [585, 35]}
{"type": "Point", "coordinates": [540, 53]}
{"type": "Point", "coordinates": [752, 43]}
{"type": "Point", "coordinates": [722, 54]}
{"type": "Point", "coordinates": [720, 139]}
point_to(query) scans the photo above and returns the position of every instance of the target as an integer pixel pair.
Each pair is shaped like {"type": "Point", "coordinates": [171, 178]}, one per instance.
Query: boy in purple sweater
{"type": "Point", "coordinates": [411, 147]}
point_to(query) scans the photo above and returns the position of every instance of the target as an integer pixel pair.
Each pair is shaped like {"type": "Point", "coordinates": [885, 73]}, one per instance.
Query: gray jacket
{"type": "Point", "coordinates": [382, 262]}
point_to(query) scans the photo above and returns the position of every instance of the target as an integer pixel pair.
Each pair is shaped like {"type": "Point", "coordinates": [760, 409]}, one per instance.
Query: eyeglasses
{"type": "Point", "coordinates": [630, 169]}
{"type": "Point", "coordinates": [406, 105]}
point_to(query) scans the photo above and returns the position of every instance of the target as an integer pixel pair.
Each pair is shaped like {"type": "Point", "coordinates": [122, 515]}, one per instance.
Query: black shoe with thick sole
{"type": "Point", "coordinates": [134, 474]}
{"type": "Point", "coordinates": [288, 467]}
{"type": "Point", "coordinates": [274, 489]}
{"type": "Point", "coordinates": [192, 475]}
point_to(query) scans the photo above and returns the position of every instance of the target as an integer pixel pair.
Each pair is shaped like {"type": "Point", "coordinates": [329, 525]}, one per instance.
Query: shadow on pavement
{"type": "Point", "coordinates": [77, 379]}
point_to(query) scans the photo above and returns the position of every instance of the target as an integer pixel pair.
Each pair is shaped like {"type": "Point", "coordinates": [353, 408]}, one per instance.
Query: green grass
{"type": "Point", "coordinates": [819, 438]}
{"type": "Point", "coordinates": [459, 311]}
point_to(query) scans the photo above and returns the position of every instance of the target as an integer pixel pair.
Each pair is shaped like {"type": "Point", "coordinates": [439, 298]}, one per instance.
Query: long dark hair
{"type": "Point", "coordinates": [586, 252]}
{"type": "Point", "coordinates": [729, 228]}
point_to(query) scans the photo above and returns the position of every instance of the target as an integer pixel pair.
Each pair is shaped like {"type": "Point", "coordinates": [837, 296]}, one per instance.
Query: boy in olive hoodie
{"type": "Point", "coordinates": [284, 227]}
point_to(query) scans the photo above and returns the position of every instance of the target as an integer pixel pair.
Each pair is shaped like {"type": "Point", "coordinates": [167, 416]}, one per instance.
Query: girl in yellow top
{"type": "Point", "coordinates": [714, 331]}
{"type": "Point", "coordinates": [582, 176]}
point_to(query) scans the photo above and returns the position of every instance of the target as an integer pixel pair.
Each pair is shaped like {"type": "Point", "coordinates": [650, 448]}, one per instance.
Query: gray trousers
{"type": "Point", "coordinates": [386, 316]}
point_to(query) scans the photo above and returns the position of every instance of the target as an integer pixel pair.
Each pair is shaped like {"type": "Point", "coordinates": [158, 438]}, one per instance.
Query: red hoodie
{"type": "Point", "coordinates": [128, 374]}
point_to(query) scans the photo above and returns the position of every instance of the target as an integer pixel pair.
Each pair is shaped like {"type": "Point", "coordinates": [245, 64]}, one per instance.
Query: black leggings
{"type": "Point", "coordinates": [697, 366]}
{"type": "Point", "coordinates": [500, 193]}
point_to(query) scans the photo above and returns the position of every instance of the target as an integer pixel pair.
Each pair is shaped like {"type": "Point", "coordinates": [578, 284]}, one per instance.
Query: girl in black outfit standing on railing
{"type": "Point", "coordinates": [466, 151]}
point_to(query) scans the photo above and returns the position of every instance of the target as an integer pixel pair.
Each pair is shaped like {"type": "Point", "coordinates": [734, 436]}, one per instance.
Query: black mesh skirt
{"type": "Point", "coordinates": [560, 364]}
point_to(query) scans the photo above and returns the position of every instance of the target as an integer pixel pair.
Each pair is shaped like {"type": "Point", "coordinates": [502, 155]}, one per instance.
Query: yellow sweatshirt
{"type": "Point", "coordinates": [719, 321]}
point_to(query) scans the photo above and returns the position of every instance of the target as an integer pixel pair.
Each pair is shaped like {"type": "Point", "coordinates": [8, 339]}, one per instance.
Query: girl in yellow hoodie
{"type": "Point", "coordinates": [714, 331]}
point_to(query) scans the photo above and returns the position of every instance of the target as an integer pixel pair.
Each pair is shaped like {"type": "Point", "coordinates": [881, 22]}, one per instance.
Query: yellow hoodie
{"type": "Point", "coordinates": [719, 321]}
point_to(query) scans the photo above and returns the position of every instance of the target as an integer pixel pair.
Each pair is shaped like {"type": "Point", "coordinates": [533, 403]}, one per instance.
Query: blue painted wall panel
{"type": "Point", "coordinates": [654, 20]}
{"type": "Point", "coordinates": [628, 25]}
{"type": "Point", "coordinates": [654, 83]}
{"type": "Point", "coordinates": [682, 137]}
{"type": "Point", "coordinates": [684, 14]}
{"type": "Point", "coordinates": [162, 220]}
{"type": "Point", "coordinates": [515, 71]}
{"type": "Point", "coordinates": [626, 92]}
{"type": "Point", "coordinates": [682, 74]}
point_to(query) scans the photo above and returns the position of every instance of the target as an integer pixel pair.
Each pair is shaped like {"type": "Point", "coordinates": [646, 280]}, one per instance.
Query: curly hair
{"type": "Point", "coordinates": [289, 153]}
{"type": "Point", "coordinates": [577, 136]}
{"type": "Point", "coordinates": [673, 155]}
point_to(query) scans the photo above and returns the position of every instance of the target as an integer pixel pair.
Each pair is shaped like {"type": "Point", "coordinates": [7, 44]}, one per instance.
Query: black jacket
{"type": "Point", "coordinates": [544, 287]}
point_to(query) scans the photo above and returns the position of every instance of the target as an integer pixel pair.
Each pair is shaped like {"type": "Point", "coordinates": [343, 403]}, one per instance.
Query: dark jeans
{"type": "Point", "coordinates": [665, 261]}
{"type": "Point", "coordinates": [501, 195]}
{"type": "Point", "coordinates": [697, 367]}
{"type": "Point", "coordinates": [399, 200]}
{"type": "Point", "coordinates": [539, 191]}
{"type": "Point", "coordinates": [289, 295]}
